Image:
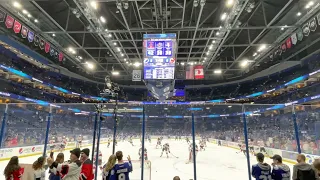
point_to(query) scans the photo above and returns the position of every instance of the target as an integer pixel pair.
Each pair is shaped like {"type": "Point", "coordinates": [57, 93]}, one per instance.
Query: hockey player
{"type": "Point", "coordinates": [149, 138]}
{"type": "Point", "coordinates": [166, 148]}
{"type": "Point", "coordinates": [51, 142]}
{"type": "Point", "coordinates": [63, 144]}
{"type": "Point", "coordinates": [251, 148]}
{"type": "Point", "coordinates": [109, 141]}
{"type": "Point", "coordinates": [202, 145]}
{"type": "Point", "coordinates": [130, 141]}
{"type": "Point", "coordinates": [79, 141]}
{"type": "Point", "coordinates": [158, 143]}
{"type": "Point", "coordinates": [191, 152]}
{"type": "Point", "coordinates": [242, 149]}
{"type": "Point", "coordinates": [145, 154]}
{"type": "Point", "coordinates": [99, 158]}
{"type": "Point", "coordinates": [187, 139]}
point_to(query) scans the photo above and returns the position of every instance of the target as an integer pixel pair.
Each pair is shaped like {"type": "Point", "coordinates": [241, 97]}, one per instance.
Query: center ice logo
{"type": "Point", "coordinates": [20, 150]}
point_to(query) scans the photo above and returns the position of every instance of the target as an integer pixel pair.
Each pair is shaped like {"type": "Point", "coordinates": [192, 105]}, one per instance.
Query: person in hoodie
{"type": "Point", "coordinates": [280, 171]}
{"type": "Point", "coordinates": [69, 170]}
{"type": "Point", "coordinates": [87, 165]}
{"type": "Point", "coordinates": [302, 170]}
{"type": "Point", "coordinates": [261, 171]}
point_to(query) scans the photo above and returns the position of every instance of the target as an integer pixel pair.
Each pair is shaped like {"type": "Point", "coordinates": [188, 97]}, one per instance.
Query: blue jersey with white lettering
{"type": "Point", "coordinates": [281, 172]}
{"type": "Point", "coordinates": [261, 171]}
{"type": "Point", "coordinates": [121, 171]}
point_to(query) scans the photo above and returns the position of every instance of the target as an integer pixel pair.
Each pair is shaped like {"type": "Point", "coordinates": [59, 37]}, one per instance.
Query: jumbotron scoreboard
{"type": "Point", "coordinates": [159, 52]}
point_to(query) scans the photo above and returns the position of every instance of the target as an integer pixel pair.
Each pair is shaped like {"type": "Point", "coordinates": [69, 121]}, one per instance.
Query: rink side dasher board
{"type": "Point", "coordinates": [7, 153]}
{"type": "Point", "coordinates": [283, 153]}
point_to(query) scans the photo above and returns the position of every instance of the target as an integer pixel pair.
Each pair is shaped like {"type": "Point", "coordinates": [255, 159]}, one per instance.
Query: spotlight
{"type": "Point", "coordinates": [125, 5]}
{"type": "Point", "coordinates": [36, 21]}
{"type": "Point", "coordinates": [94, 4]}
{"type": "Point", "coordinates": [217, 71]}
{"type": "Point", "coordinates": [299, 14]}
{"type": "Point", "coordinates": [223, 16]}
{"type": "Point", "coordinates": [24, 11]}
{"type": "Point", "coordinates": [16, 5]}
{"type": "Point", "coordinates": [195, 3]}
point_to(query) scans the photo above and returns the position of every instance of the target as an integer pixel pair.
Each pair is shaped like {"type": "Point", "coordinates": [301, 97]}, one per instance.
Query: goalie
{"type": "Point", "coordinates": [166, 148]}
{"type": "Point", "coordinates": [145, 154]}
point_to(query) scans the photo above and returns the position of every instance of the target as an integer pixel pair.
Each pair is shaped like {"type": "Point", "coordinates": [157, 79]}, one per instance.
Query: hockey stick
{"type": "Point", "coordinates": [174, 155]}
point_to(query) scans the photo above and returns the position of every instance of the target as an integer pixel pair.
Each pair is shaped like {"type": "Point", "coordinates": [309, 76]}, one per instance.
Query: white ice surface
{"type": "Point", "coordinates": [215, 163]}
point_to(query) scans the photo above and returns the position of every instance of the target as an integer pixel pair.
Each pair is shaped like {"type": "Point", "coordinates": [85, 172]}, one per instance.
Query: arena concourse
{"type": "Point", "coordinates": [188, 89]}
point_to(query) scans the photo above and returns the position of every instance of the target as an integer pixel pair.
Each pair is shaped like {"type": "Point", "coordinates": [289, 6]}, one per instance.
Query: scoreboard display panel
{"type": "Point", "coordinates": [159, 56]}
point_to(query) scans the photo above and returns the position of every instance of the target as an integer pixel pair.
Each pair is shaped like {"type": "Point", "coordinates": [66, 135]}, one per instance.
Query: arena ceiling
{"type": "Point", "coordinates": [233, 36]}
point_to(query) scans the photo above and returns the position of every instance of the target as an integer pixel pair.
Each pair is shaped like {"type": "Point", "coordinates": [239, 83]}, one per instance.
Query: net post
{"type": "Point", "coordinates": [194, 150]}
{"type": "Point", "coordinates": [3, 125]}
{"type": "Point", "coordinates": [296, 129]}
{"type": "Point", "coordinates": [47, 132]}
{"type": "Point", "coordinates": [98, 145]}
{"type": "Point", "coordinates": [245, 130]}
{"type": "Point", "coordinates": [143, 133]}
{"type": "Point", "coordinates": [94, 134]}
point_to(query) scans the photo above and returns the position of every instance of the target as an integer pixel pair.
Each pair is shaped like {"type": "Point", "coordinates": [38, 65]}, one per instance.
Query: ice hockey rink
{"type": "Point", "coordinates": [215, 163]}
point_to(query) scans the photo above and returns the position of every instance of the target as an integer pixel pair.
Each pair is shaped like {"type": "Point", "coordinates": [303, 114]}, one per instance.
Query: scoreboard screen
{"type": "Point", "coordinates": [159, 56]}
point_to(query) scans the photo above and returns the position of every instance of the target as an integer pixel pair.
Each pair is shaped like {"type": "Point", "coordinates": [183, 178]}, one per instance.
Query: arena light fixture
{"type": "Point", "coordinates": [125, 59]}
{"type": "Point", "coordinates": [244, 63]}
{"type": "Point", "coordinates": [205, 58]}
{"type": "Point", "coordinates": [94, 4]}
{"type": "Point", "coordinates": [262, 47]}
{"type": "Point", "coordinates": [182, 63]}
{"type": "Point", "coordinates": [36, 20]}
{"type": "Point", "coordinates": [115, 43]}
{"type": "Point", "coordinates": [229, 3]}
{"type": "Point", "coordinates": [115, 73]}
{"type": "Point", "coordinates": [255, 54]}
{"type": "Point", "coordinates": [214, 41]}
{"type": "Point", "coordinates": [310, 3]}
{"type": "Point", "coordinates": [223, 16]}
{"type": "Point", "coordinates": [299, 14]}
{"type": "Point", "coordinates": [102, 19]}
{"type": "Point", "coordinates": [53, 35]}
{"type": "Point", "coordinates": [106, 30]}
{"type": "Point", "coordinates": [29, 16]}
{"type": "Point", "coordinates": [118, 49]}
{"type": "Point", "coordinates": [24, 11]}
{"type": "Point", "coordinates": [122, 54]}
{"type": "Point", "coordinates": [110, 35]}
{"type": "Point", "coordinates": [218, 33]}
{"type": "Point", "coordinates": [90, 65]}
{"type": "Point", "coordinates": [16, 5]}
{"type": "Point", "coordinates": [136, 64]}
{"type": "Point", "coordinates": [229, 106]}
{"type": "Point", "coordinates": [217, 71]}
{"type": "Point", "coordinates": [210, 47]}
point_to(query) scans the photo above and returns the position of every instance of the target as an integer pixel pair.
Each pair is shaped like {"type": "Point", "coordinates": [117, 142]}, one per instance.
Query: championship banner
{"type": "Point", "coordinates": [36, 40]}
{"type": "Point", "coordinates": [284, 47]}
{"type": "Point", "coordinates": [41, 45]}
{"type": "Point", "coordinates": [198, 72]}
{"type": "Point", "coordinates": [47, 47]}
{"type": "Point", "coordinates": [294, 38]}
{"type": "Point", "coordinates": [9, 22]}
{"type": "Point", "coordinates": [289, 43]}
{"type": "Point", "coordinates": [2, 16]}
{"type": "Point", "coordinates": [17, 27]}
{"type": "Point", "coordinates": [136, 75]}
{"type": "Point", "coordinates": [30, 36]}
{"type": "Point", "coordinates": [306, 29]}
{"type": "Point", "coordinates": [61, 56]}
{"type": "Point", "coordinates": [313, 24]}
{"type": "Point", "coordinates": [24, 32]}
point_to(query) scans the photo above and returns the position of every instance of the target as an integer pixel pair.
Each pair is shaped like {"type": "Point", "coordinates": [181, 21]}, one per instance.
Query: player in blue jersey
{"type": "Point", "coordinates": [279, 171]}
{"type": "Point", "coordinates": [122, 169]}
{"type": "Point", "coordinates": [261, 171]}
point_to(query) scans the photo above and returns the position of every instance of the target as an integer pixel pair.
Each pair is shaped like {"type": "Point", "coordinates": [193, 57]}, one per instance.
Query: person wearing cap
{"type": "Point", "coordinates": [69, 170]}
{"type": "Point", "coordinates": [280, 171]}
{"type": "Point", "coordinates": [261, 170]}
{"type": "Point", "coordinates": [303, 170]}
{"type": "Point", "coordinates": [87, 165]}
{"type": "Point", "coordinates": [122, 169]}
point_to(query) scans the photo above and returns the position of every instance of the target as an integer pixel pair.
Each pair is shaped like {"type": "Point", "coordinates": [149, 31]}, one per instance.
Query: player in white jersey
{"type": "Point", "coordinates": [202, 145]}
{"type": "Point", "coordinates": [187, 139]}
{"type": "Point", "coordinates": [63, 144]}
{"type": "Point", "coordinates": [79, 141]}
{"type": "Point", "coordinates": [158, 143]}
{"type": "Point", "coordinates": [191, 152]}
{"type": "Point", "coordinates": [130, 141]}
{"type": "Point", "coordinates": [52, 143]}
{"type": "Point", "coordinates": [165, 148]}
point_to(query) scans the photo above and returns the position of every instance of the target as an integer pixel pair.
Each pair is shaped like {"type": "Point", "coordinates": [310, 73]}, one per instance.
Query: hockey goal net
{"type": "Point", "coordinates": [136, 172]}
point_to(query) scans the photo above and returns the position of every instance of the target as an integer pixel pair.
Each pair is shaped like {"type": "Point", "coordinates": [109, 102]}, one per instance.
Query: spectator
{"type": "Point", "coordinates": [121, 169]}
{"type": "Point", "coordinates": [13, 171]}
{"type": "Point", "coordinates": [108, 167]}
{"type": "Point", "coordinates": [39, 169]}
{"type": "Point", "coordinates": [70, 170]}
{"type": "Point", "coordinates": [59, 160]}
{"type": "Point", "coordinates": [176, 178]}
{"type": "Point", "coordinates": [261, 170]}
{"type": "Point", "coordinates": [280, 171]}
{"type": "Point", "coordinates": [87, 166]}
{"type": "Point", "coordinates": [302, 170]}
{"type": "Point", "coordinates": [316, 165]}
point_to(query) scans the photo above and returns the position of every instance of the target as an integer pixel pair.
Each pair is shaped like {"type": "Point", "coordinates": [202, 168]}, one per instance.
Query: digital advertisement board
{"type": "Point", "coordinates": [159, 56]}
